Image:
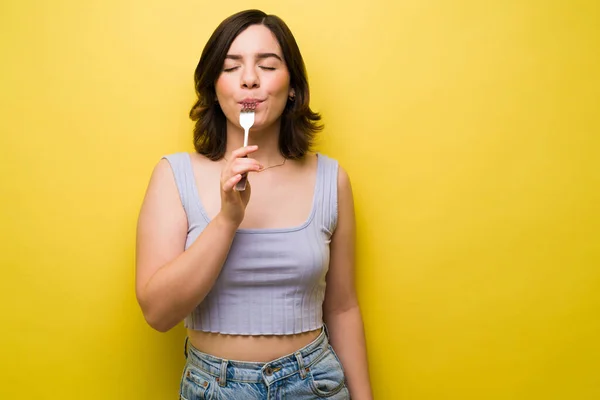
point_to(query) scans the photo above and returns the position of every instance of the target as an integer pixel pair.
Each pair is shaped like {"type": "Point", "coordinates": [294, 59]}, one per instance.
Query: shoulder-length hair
{"type": "Point", "coordinates": [299, 124]}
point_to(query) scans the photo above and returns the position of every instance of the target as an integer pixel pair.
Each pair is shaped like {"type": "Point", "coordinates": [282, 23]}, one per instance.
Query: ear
{"type": "Point", "coordinates": [292, 94]}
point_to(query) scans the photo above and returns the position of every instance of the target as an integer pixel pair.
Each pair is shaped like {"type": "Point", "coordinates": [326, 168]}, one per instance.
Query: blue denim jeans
{"type": "Point", "coordinates": [313, 372]}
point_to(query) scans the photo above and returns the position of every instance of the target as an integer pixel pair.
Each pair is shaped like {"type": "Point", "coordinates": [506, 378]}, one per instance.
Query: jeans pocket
{"type": "Point", "coordinates": [196, 384]}
{"type": "Point", "coordinates": [327, 375]}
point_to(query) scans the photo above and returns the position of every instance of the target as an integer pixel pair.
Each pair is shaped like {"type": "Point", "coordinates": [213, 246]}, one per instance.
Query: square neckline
{"type": "Point", "coordinates": [316, 191]}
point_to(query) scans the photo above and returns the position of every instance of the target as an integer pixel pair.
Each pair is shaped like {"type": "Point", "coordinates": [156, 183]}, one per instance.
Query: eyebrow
{"type": "Point", "coordinates": [259, 56]}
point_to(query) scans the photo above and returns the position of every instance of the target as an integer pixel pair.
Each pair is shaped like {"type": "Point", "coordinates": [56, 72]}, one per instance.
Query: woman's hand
{"type": "Point", "coordinates": [233, 203]}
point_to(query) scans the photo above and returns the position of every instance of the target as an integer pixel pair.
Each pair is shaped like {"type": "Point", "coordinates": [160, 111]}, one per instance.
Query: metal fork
{"type": "Point", "coordinates": [246, 121]}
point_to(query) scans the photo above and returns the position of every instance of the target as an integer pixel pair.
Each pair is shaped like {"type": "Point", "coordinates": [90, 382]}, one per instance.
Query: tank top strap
{"type": "Point", "coordinates": [181, 164]}
{"type": "Point", "coordinates": [327, 178]}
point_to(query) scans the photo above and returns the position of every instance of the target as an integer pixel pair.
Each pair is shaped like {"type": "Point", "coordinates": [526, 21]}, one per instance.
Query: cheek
{"type": "Point", "coordinates": [223, 88]}
{"type": "Point", "coordinates": [278, 89]}
{"type": "Point", "coordinates": [225, 96]}
{"type": "Point", "coordinates": [280, 85]}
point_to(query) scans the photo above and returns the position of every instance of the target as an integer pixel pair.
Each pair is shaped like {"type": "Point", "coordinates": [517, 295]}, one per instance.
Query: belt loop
{"type": "Point", "coordinates": [300, 365]}
{"type": "Point", "coordinates": [185, 347]}
{"type": "Point", "coordinates": [223, 376]}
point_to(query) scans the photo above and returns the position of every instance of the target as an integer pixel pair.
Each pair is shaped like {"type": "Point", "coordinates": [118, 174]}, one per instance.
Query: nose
{"type": "Point", "coordinates": [249, 79]}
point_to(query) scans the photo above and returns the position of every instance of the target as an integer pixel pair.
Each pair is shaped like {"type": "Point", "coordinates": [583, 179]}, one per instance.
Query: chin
{"type": "Point", "coordinates": [260, 123]}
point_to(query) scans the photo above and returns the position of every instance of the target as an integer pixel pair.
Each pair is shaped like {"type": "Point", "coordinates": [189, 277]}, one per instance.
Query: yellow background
{"type": "Point", "coordinates": [469, 129]}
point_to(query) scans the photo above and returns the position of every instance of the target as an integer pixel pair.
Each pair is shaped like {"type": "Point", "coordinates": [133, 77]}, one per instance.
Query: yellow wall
{"type": "Point", "coordinates": [470, 131]}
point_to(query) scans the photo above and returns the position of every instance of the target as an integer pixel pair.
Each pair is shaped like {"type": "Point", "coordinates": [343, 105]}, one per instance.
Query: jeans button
{"type": "Point", "coordinates": [268, 371]}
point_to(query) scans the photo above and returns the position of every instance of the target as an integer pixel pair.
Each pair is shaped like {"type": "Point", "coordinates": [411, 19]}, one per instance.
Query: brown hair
{"type": "Point", "coordinates": [299, 124]}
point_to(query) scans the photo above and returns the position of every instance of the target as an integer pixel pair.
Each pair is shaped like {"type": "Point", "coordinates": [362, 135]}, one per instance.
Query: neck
{"type": "Point", "coordinates": [266, 139]}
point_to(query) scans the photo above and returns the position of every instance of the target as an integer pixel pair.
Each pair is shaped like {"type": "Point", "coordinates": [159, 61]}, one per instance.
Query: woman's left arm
{"type": "Point", "coordinates": [341, 310]}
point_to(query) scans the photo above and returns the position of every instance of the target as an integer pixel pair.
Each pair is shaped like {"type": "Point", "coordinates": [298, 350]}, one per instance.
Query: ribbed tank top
{"type": "Point", "coordinates": [273, 280]}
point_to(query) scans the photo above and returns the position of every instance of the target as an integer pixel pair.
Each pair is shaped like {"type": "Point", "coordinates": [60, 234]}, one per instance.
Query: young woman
{"type": "Point", "coordinates": [255, 274]}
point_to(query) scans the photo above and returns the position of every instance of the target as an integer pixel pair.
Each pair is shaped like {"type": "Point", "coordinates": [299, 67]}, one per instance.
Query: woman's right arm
{"type": "Point", "coordinates": [171, 281]}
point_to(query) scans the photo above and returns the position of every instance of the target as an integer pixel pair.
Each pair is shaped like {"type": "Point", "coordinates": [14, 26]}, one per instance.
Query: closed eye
{"type": "Point", "coordinates": [268, 68]}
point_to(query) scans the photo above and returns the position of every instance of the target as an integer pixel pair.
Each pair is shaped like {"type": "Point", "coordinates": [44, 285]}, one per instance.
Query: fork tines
{"type": "Point", "coordinates": [248, 107]}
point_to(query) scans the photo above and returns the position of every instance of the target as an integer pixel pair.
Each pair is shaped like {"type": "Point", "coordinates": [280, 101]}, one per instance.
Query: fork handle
{"type": "Point", "coordinates": [241, 185]}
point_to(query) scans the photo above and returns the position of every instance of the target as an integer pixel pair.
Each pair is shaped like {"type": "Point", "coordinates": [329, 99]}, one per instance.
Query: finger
{"type": "Point", "coordinates": [244, 168]}
{"type": "Point", "coordinates": [243, 151]}
{"type": "Point", "coordinates": [246, 162]}
{"type": "Point", "coordinates": [231, 182]}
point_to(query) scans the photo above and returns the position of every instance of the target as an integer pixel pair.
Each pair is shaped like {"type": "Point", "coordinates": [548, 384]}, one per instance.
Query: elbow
{"type": "Point", "coordinates": [156, 318]}
{"type": "Point", "coordinates": [349, 310]}
{"type": "Point", "coordinates": [158, 324]}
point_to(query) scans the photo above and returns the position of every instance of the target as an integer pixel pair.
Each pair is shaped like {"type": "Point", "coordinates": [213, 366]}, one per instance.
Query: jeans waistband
{"type": "Point", "coordinates": [254, 372]}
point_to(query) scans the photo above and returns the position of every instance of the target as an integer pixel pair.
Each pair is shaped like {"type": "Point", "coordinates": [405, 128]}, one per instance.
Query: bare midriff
{"type": "Point", "coordinates": [254, 348]}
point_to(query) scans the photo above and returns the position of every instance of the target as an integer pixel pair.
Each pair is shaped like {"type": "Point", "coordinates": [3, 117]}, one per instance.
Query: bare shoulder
{"type": "Point", "coordinates": [344, 187]}
{"type": "Point", "coordinates": [162, 198]}
{"type": "Point", "coordinates": [162, 224]}
{"type": "Point", "coordinates": [161, 179]}
{"type": "Point", "coordinates": [345, 198]}
{"type": "Point", "coordinates": [342, 178]}
{"type": "Point", "coordinates": [162, 171]}
{"type": "Point", "coordinates": [340, 294]}
{"type": "Point", "coordinates": [343, 181]}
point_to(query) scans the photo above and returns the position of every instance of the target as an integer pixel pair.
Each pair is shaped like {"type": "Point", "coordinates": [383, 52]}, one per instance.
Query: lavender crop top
{"type": "Point", "coordinates": [273, 280]}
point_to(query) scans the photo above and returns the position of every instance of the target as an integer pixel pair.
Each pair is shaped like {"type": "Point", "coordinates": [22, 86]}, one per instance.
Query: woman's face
{"type": "Point", "coordinates": [254, 71]}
